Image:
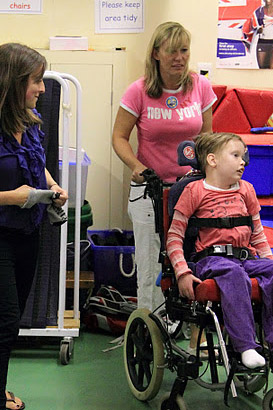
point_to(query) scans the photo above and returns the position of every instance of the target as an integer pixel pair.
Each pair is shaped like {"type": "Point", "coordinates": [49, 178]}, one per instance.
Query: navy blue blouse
{"type": "Point", "coordinates": [22, 164]}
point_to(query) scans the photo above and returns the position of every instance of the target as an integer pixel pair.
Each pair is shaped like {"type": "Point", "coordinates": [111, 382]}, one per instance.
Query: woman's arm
{"type": "Point", "coordinates": [123, 127]}
{"type": "Point", "coordinates": [51, 184]}
{"type": "Point", "coordinates": [49, 180]}
{"type": "Point", "coordinates": [15, 196]}
{"type": "Point", "coordinates": [207, 121]}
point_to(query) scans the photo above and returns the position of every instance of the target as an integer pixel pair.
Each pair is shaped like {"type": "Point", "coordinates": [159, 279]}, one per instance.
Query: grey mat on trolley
{"type": "Point", "coordinates": [42, 304]}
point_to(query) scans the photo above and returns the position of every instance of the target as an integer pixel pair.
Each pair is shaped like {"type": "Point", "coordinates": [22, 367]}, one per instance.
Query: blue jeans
{"type": "Point", "coordinates": [233, 278]}
{"type": "Point", "coordinates": [18, 257]}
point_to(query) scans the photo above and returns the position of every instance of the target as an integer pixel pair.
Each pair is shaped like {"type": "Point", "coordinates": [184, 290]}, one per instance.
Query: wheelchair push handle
{"type": "Point", "coordinates": [154, 189]}
{"type": "Point", "coordinates": [153, 183]}
{"type": "Point", "coordinates": [148, 174]}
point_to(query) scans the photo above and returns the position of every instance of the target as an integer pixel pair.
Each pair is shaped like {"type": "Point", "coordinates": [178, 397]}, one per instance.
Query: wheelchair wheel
{"type": "Point", "coordinates": [179, 403]}
{"type": "Point", "coordinates": [143, 355]}
{"type": "Point", "coordinates": [268, 400]}
{"type": "Point", "coordinates": [252, 384]}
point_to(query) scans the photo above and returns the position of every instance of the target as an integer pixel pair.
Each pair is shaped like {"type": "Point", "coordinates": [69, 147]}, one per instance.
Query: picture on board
{"type": "Point", "coordinates": [245, 34]}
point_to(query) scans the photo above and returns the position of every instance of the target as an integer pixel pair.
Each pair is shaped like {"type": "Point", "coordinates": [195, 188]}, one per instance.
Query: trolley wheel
{"type": "Point", "coordinates": [64, 354]}
{"type": "Point", "coordinates": [143, 355]}
{"type": "Point", "coordinates": [179, 403]}
{"type": "Point", "coordinates": [66, 350]}
{"type": "Point", "coordinates": [252, 384]}
{"type": "Point", "coordinates": [268, 400]}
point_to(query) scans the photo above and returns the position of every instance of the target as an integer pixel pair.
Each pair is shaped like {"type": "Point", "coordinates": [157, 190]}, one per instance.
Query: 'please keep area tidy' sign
{"type": "Point", "coordinates": [123, 16]}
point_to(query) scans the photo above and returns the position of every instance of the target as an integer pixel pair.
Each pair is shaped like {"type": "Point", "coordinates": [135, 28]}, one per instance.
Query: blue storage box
{"type": "Point", "coordinates": [113, 264]}
{"type": "Point", "coordinates": [266, 214]}
{"type": "Point", "coordinates": [259, 172]}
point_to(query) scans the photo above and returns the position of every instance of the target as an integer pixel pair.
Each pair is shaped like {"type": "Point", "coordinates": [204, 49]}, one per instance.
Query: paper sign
{"type": "Point", "coordinates": [232, 3]}
{"type": "Point", "coordinates": [123, 16]}
{"type": "Point", "coordinates": [21, 7]}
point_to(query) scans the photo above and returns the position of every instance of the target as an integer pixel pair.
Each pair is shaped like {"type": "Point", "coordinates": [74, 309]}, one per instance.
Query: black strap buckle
{"type": "Point", "coordinates": [244, 254]}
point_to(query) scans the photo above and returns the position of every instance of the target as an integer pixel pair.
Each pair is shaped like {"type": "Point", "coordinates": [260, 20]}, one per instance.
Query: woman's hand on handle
{"type": "Point", "coordinates": [136, 174]}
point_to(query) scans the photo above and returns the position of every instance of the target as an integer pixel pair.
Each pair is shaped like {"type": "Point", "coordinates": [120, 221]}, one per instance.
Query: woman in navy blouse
{"type": "Point", "coordinates": [22, 168]}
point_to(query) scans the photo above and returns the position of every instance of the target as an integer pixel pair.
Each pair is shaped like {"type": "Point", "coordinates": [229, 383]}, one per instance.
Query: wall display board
{"type": "Point", "coordinates": [245, 34]}
{"type": "Point", "coordinates": [21, 7]}
{"type": "Point", "coordinates": [123, 16]}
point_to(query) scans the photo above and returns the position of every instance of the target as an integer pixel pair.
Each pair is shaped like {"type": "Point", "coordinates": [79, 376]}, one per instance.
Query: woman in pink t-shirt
{"type": "Point", "coordinates": [168, 105]}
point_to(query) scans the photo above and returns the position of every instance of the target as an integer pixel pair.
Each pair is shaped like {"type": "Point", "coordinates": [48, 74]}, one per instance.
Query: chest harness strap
{"type": "Point", "coordinates": [223, 250]}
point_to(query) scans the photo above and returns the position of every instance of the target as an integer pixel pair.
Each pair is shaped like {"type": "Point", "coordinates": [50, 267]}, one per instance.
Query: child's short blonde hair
{"type": "Point", "coordinates": [211, 142]}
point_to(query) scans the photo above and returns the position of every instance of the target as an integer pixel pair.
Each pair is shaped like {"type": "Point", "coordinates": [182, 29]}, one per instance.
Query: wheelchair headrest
{"type": "Point", "coordinates": [187, 155]}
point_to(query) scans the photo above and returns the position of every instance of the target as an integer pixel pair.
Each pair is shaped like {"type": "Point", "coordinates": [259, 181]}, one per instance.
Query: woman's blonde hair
{"type": "Point", "coordinates": [211, 142]}
{"type": "Point", "coordinates": [177, 37]}
{"type": "Point", "coordinates": [17, 63]}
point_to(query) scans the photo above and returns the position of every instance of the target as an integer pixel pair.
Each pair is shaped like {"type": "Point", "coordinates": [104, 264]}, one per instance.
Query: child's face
{"type": "Point", "coordinates": [34, 89]}
{"type": "Point", "coordinates": [230, 162]}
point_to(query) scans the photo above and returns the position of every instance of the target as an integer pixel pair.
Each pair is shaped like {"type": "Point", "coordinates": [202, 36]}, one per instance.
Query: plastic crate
{"type": "Point", "coordinates": [113, 265]}
{"type": "Point", "coordinates": [259, 172]}
{"type": "Point", "coordinates": [85, 162]}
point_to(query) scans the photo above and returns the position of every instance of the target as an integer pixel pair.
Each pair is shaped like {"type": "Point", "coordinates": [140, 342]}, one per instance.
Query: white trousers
{"type": "Point", "coordinates": [147, 248]}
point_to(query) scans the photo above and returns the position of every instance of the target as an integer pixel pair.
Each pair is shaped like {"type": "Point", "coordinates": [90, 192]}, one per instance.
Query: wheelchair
{"type": "Point", "coordinates": [149, 347]}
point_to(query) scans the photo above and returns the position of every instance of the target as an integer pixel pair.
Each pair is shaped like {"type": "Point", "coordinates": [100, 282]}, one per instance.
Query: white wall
{"type": "Point", "coordinates": [70, 17]}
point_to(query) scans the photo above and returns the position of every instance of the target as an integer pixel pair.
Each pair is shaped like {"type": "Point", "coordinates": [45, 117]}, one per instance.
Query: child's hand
{"type": "Point", "coordinates": [185, 285]}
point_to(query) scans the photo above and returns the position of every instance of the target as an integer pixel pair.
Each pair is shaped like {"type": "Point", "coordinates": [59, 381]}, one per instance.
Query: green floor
{"type": "Point", "coordinates": [95, 380]}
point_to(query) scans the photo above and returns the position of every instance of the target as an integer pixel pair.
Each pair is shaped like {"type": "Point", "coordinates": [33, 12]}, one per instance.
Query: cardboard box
{"type": "Point", "coordinates": [68, 43]}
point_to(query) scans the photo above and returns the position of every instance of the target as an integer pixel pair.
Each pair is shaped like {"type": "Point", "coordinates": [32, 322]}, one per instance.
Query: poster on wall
{"type": "Point", "coordinates": [245, 34]}
{"type": "Point", "coordinates": [21, 7]}
{"type": "Point", "coordinates": [123, 16]}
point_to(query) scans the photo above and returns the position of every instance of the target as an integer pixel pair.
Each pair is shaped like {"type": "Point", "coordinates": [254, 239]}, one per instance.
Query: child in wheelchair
{"type": "Point", "coordinates": [231, 246]}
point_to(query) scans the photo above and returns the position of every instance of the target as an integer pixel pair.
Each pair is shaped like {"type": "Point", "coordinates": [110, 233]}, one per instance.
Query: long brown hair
{"type": "Point", "coordinates": [177, 36]}
{"type": "Point", "coordinates": [17, 63]}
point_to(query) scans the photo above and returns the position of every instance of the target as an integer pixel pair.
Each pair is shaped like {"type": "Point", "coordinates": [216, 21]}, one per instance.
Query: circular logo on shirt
{"type": "Point", "coordinates": [171, 102]}
{"type": "Point", "coordinates": [189, 152]}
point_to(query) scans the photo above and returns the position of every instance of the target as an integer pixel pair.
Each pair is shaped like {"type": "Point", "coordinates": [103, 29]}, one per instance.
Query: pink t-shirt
{"type": "Point", "coordinates": [202, 202]}
{"type": "Point", "coordinates": [164, 122]}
